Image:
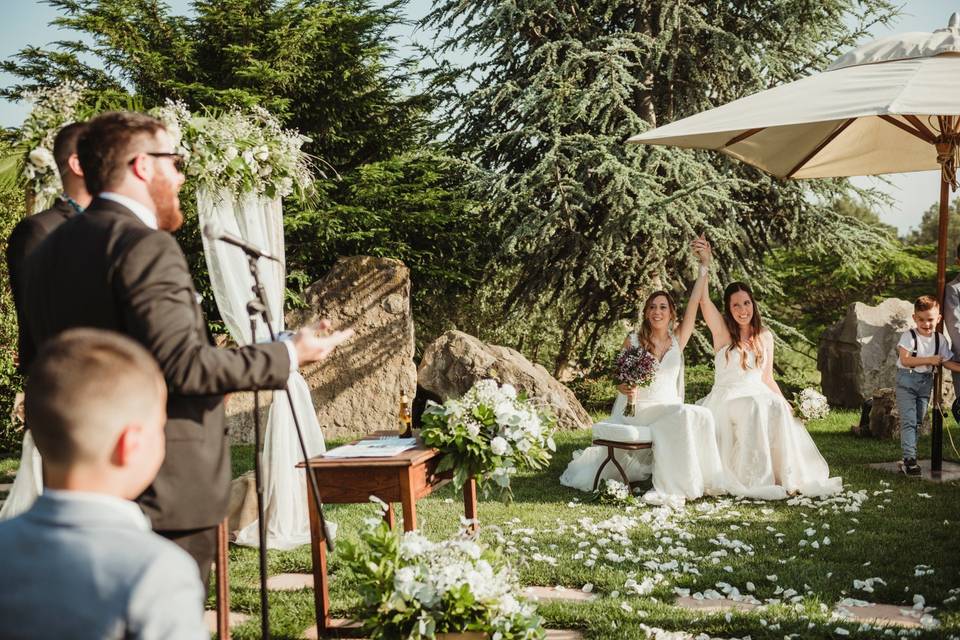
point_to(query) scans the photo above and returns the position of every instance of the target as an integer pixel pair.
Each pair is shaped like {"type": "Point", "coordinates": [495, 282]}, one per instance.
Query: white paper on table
{"type": "Point", "coordinates": [381, 448]}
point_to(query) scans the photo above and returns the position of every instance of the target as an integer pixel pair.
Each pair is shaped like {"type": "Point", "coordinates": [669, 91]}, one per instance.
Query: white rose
{"type": "Point", "coordinates": [499, 446]}
{"type": "Point", "coordinates": [262, 153]}
{"type": "Point", "coordinates": [509, 391]}
{"type": "Point", "coordinates": [249, 159]}
{"type": "Point", "coordinates": [523, 446]}
{"type": "Point", "coordinates": [42, 158]}
{"type": "Point", "coordinates": [230, 153]}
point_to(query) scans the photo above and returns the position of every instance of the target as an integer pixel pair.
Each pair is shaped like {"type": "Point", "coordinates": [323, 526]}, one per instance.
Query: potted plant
{"type": "Point", "coordinates": [416, 589]}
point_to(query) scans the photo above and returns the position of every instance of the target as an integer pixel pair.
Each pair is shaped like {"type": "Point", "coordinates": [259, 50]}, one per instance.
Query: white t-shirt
{"type": "Point", "coordinates": [925, 347]}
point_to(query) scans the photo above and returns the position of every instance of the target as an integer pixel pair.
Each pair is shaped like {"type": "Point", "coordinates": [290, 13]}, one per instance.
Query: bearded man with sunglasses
{"type": "Point", "coordinates": [118, 267]}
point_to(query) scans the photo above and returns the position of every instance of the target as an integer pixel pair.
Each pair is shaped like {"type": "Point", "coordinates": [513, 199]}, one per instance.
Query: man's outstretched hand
{"type": "Point", "coordinates": [314, 343]}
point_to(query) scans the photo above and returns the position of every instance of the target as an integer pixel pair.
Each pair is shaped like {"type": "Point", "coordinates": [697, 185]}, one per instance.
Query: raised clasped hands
{"type": "Point", "coordinates": [314, 343]}
{"type": "Point", "coordinates": [701, 248]}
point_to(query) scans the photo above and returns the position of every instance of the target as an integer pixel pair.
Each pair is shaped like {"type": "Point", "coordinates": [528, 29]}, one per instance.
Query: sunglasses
{"type": "Point", "coordinates": [179, 162]}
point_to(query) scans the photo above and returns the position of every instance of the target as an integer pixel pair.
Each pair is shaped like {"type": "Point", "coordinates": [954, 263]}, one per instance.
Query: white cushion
{"type": "Point", "coordinates": [617, 432]}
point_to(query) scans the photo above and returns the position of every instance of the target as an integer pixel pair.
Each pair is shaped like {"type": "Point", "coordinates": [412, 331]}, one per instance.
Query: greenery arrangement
{"type": "Point", "coordinates": [415, 588]}
{"type": "Point", "coordinates": [490, 433]}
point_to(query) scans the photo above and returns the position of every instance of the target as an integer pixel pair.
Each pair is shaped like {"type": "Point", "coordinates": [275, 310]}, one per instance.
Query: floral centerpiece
{"type": "Point", "coordinates": [812, 405]}
{"type": "Point", "coordinates": [414, 588]}
{"type": "Point", "coordinates": [634, 367]}
{"type": "Point", "coordinates": [490, 433]}
{"type": "Point", "coordinates": [241, 151]}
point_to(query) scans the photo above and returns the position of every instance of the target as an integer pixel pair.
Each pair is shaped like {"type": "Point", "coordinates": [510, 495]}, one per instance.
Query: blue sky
{"type": "Point", "coordinates": [26, 22]}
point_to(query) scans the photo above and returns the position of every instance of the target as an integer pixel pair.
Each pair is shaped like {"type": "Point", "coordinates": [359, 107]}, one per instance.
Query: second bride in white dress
{"type": "Point", "coordinates": [686, 462]}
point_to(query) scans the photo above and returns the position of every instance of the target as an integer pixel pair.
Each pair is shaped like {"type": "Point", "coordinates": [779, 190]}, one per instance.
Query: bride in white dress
{"type": "Point", "coordinates": [766, 452]}
{"type": "Point", "coordinates": [684, 458]}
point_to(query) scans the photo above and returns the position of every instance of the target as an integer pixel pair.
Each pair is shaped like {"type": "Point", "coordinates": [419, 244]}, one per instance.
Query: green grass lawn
{"type": "Point", "coordinates": [905, 532]}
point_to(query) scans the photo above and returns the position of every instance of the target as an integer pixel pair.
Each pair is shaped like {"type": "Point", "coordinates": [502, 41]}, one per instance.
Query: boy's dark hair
{"type": "Point", "coordinates": [924, 303]}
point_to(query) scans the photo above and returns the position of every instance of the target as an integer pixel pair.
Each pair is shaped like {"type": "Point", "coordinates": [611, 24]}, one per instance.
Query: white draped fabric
{"type": "Point", "coordinates": [28, 483]}
{"type": "Point", "coordinates": [259, 221]}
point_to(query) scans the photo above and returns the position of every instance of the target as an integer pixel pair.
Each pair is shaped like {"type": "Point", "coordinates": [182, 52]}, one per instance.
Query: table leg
{"type": "Point", "coordinates": [321, 592]}
{"type": "Point", "coordinates": [408, 500]}
{"type": "Point", "coordinates": [223, 585]}
{"type": "Point", "coordinates": [470, 502]}
{"type": "Point", "coordinates": [388, 516]}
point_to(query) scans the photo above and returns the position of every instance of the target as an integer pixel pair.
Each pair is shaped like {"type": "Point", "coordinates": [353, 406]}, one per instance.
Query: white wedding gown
{"type": "Point", "coordinates": [29, 481]}
{"type": "Point", "coordinates": [684, 458]}
{"type": "Point", "coordinates": [766, 452]}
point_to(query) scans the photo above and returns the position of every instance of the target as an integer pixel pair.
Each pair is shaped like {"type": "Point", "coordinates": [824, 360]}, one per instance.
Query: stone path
{"type": "Point", "coordinates": [949, 472]}
{"type": "Point", "coordinates": [558, 593]}
{"type": "Point", "coordinates": [236, 619]}
{"type": "Point", "coordinates": [290, 582]}
{"type": "Point", "coordinates": [552, 634]}
{"type": "Point", "coordinates": [5, 487]}
{"type": "Point", "coordinates": [875, 614]}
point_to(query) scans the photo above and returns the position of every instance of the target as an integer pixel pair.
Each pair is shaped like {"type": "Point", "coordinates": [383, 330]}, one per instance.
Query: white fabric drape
{"type": "Point", "coordinates": [29, 481]}
{"type": "Point", "coordinates": [259, 221]}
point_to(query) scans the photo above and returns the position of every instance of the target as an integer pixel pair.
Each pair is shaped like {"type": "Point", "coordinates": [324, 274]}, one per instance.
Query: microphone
{"type": "Point", "coordinates": [213, 231]}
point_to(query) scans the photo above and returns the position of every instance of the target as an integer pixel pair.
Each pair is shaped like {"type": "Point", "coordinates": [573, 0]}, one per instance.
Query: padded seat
{"type": "Point", "coordinates": [617, 432]}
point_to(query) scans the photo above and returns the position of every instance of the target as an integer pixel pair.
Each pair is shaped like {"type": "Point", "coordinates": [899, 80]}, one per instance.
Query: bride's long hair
{"type": "Point", "coordinates": [643, 333]}
{"type": "Point", "coordinates": [756, 325]}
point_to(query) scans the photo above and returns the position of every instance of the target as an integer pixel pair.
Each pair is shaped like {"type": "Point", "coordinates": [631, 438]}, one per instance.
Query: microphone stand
{"type": "Point", "coordinates": [258, 307]}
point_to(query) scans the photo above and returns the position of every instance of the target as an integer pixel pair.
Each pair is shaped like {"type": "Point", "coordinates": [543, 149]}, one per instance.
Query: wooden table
{"type": "Point", "coordinates": [404, 478]}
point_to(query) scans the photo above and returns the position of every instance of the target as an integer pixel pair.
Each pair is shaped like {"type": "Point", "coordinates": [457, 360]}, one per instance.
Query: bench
{"type": "Point", "coordinates": [626, 437]}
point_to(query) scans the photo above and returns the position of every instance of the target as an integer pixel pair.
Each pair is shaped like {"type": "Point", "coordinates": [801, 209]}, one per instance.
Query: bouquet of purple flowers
{"type": "Point", "coordinates": [635, 367]}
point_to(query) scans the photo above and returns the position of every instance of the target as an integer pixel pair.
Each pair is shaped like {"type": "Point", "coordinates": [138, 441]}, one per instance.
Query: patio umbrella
{"type": "Point", "coordinates": [890, 106]}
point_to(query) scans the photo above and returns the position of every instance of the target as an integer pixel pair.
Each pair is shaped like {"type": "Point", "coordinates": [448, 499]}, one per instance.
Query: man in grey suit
{"type": "Point", "coordinates": [951, 322]}
{"type": "Point", "coordinates": [83, 558]}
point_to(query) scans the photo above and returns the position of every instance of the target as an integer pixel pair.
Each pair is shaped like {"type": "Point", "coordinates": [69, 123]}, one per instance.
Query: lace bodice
{"type": "Point", "coordinates": [666, 386]}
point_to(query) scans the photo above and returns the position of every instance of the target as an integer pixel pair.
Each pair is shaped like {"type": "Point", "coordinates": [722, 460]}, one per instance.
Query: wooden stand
{"type": "Point", "coordinates": [223, 582]}
{"type": "Point", "coordinates": [612, 446]}
{"type": "Point", "coordinates": [404, 478]}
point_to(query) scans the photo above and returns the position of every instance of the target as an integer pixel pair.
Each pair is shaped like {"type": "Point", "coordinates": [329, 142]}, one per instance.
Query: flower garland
{"type": "Point", "coordinates": [240, 151]}
{"type": "Point", "coordinates": [52, 109]}
{"type": "Point", "coordinates": [243, 152]}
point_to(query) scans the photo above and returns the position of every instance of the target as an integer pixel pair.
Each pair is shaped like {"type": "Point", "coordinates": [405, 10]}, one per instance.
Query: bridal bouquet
{"type": "Point", "coordinates": [414, 588]}
{"type": "Point", "coordinates": [812, 405]}
{"type": "Point", "coordinates": [635, 367]}
{"type": "Point", "coordinates": [490, 433]}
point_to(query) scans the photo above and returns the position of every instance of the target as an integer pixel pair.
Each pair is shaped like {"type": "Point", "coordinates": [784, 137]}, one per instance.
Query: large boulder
{"type": "Point", "coordinates": [456, 360]}
{"type": "Point", "coordinates": [858, 355]}
{"type": "Point", "coordinates": [357, 389]}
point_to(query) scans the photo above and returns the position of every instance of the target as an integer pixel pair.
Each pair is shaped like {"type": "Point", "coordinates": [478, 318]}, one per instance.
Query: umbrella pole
{"type": "Point", "coordinates": [936, 445]}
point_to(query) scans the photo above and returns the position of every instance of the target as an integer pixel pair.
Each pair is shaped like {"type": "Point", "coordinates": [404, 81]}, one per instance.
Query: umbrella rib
{"type": "Point", "coordinates": [918, 123]}
{"type": "Point", "coordinates": [741, 137]}
{"type": "Point", "coordinates": [820, 147]}
{"type": "Point", "coordinates": [907, 128]}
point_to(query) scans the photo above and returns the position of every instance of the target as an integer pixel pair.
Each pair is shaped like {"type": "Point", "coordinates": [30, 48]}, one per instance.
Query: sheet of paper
{"type": "Point", "coordinates": [380, 448]}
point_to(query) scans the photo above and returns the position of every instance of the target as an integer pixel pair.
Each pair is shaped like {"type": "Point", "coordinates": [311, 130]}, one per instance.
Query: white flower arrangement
{"type": "Point", "coordinates": [415, 588]}
{"type": "Point", "coordinates": [243, 152]}
{"type": "Point", "coordinates": [52, 109]}
{"type": "Point", "coordinates": [490, 433]}
{"type": "Point", "coordinates": [812, 405]}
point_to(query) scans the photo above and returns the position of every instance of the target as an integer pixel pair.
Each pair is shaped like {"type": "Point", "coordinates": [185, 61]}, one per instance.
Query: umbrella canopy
{"type": "Point", "coordinates": [890, 106]}
{"type": "Point", "coordinates": [874, 111]}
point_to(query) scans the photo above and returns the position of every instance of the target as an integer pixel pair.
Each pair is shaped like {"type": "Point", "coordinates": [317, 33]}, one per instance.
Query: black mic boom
{"type": "Point", "coordinates": [213, 232]}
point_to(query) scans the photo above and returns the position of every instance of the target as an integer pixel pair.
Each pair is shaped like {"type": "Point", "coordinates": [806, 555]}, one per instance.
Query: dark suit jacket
{"type": "Point", "coordinates": [24, 238]}
{"type": "Point", "coordinates": [107, 269]}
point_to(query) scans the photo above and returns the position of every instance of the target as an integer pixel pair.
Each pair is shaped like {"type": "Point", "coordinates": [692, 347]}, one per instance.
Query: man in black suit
{"type": "Point", "coordinates": [30, 231]}
{"type": "Point", "coordinates": [117, 267]}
